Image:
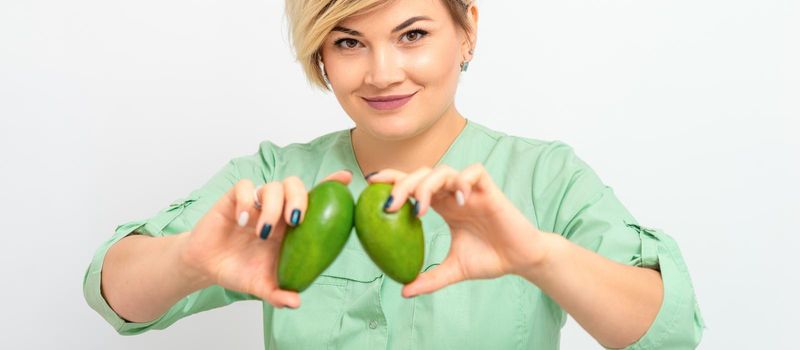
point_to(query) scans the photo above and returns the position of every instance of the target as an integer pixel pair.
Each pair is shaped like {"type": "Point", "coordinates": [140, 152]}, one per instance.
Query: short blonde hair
{"type": "Point", "coordinates": [310, 21]}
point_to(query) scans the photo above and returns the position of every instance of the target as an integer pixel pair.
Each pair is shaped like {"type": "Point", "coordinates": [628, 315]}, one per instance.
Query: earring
{"type": "Point", "coordinates": [465, 63]}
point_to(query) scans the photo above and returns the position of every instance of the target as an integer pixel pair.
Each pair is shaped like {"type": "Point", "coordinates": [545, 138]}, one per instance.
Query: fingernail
{"type": "Point", "coordinates": [460, 198]}
{"type": "Point", "coordinates": [243, 217]}
{"type": "Point", "coordinates": [416, 208]}
{"type": "Point", "coordinates": [349, 171]}
{"type": "Point", "coordinates": [369, 175]}
{"type": "Point", "coordinates": [265, 231]}
{"type": "Point", "coordinates": [295, 217]}
{"type": "Point", "coordinates": [388, 202]}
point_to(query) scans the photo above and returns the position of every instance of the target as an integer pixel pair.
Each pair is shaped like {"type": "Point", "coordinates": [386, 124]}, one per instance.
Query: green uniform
{"type": "Point", "coordinates": [352, 305]}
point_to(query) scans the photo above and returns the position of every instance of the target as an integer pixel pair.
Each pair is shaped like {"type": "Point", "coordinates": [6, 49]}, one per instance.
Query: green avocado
{"type": "Point", "coordinates": [310, 247]}
{"type": "Point", "coordinates": [394, 241]}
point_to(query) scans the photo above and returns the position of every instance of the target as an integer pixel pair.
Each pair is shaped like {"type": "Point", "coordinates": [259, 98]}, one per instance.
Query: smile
{"type": "Point", "coordinates": [394, 102]}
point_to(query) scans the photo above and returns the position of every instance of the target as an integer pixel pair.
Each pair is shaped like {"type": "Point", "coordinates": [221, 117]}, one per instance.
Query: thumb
{"type": "Point", "coordinates": [269, 291]}
{"type": "Point", "coordinates": [441, 276]}
{"type": "Point", "coordinates": [279, 297]}
{"type": "Point", "coordinates": [344, 176]}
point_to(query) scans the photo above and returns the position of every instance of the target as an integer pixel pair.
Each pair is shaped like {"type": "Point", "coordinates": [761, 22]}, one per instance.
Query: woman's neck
{"type": "Point", "coordinates": [422, 150]}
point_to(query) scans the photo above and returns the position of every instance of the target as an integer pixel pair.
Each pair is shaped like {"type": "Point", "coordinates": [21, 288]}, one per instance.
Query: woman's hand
{"type": "Point", "coordinates": [490, 237]}
{"type": "Point", "coordinates": [229, 248]}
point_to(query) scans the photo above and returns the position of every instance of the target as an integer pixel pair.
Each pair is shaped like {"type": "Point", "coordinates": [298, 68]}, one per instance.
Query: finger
{"type": "Point", "coordinates": [268, 291]}
{"type": "Point", "coordinates": [344, 176]}
{"type": "Point", "coordinates": [437, 181]}
{"type": "Point", "coordinates": [462, 188]}
{"type": "Point", "coordinates": [386, 176]}
{"type": "Point", "coordinates": [403, 188]}
{"type": "Point", "coordinates": [437, 278]}
{"type": "Point", "coordinates": [284, 298]}
{"type": "Point", "coordinates": [267, 287]}
{"type": "Point", "coordinates": [245, 209]}
{"type": "Point", "coordinates": [271, 196]}
{"type": "Point", "coordinates": [296, 200]}
{"type": "Point", "coordinates": [473, 176]}
{"type": "Point", "coordinates": [257, 197]}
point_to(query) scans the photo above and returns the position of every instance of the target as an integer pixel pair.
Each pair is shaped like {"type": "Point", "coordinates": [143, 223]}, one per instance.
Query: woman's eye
{"type": "Point", "coordinates": [415, 35]}
{"type": "Point", "coordinates": [348, 43]}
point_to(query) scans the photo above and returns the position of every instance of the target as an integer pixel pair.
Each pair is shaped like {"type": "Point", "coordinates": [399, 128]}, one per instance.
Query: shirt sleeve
{"type": "Point", "coordinates": [179, 216]}
{"type": "Point", "coordinates": [589, 214]}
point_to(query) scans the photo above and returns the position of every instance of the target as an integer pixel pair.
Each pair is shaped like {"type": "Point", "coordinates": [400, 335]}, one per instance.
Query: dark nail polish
{"type": "Point", "coordinates": [265, 231]}
{"type": "Point", "coordinates": [295, 217]}
{"type": "Point", "coordinates": [369, 175]}
{"type": "Point", "coordinates": [388, 202]}
{"type": "Point", "coordinates": [416, 208]}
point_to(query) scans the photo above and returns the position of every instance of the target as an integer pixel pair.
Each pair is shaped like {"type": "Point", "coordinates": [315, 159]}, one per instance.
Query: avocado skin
{"type": "Point", "coordinates": [394, 241]}
{"type": "Point", "coordinates": [310, 247]}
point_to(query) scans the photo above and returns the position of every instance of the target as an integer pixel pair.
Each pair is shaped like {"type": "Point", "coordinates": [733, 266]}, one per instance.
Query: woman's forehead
{"type": "Point", "coordinates": [395, 12]}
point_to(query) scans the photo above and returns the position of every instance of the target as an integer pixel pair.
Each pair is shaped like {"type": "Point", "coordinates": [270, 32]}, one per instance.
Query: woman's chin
{"type": "Point", "coordinates": [391, 128]}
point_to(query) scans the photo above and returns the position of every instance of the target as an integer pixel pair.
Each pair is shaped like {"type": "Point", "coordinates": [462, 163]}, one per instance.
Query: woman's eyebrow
{"type": "Point", "coordinates": [400, 27]}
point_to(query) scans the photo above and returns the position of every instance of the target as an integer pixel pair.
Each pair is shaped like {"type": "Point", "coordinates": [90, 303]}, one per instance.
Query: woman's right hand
{"type": "Point", "coordinates": [236, 257]}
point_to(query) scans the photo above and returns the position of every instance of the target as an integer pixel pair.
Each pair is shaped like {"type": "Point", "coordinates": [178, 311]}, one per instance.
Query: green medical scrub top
{"type": "Point", "coordinates": [352, 305]}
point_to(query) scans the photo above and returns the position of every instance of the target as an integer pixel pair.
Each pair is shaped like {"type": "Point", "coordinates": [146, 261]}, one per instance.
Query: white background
{"type": "Point", "coordinates": [109, 110]}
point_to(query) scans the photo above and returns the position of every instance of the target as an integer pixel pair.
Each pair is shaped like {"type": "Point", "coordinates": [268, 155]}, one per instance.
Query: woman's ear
{"type": "Point", "coordinates": [468, 46]}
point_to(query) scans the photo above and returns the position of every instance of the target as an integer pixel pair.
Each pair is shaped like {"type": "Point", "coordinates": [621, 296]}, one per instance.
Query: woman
{"type": "Point", "coordinates": [518, 231]}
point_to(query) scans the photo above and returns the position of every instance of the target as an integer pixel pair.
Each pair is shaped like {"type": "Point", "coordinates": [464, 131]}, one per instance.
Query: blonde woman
{"type": "Point", "coordinates": [518, 231]}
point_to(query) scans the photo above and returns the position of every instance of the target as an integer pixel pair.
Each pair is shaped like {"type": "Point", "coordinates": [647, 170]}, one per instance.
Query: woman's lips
{"type": "Point", "coordinates": [389, 104]}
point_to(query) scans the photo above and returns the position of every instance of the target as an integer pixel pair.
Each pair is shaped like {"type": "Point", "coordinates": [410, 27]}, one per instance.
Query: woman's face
{"type": "Point", "coordinates": [405, 47]}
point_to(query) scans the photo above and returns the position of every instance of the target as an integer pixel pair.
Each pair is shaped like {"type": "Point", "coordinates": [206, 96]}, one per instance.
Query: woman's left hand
{"type": "Point", "coordinates": [490, 237]}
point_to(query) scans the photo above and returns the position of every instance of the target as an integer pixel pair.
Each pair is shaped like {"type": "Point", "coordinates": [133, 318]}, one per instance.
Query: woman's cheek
{"type": "Point", "coordinates": [350, 75]}
{"type": "Point", "coordinates": [429, 67]}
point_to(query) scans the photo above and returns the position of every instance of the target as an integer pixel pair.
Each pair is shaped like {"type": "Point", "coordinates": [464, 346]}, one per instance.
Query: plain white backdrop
{"type": "Point", "coordinates": [109, 110]}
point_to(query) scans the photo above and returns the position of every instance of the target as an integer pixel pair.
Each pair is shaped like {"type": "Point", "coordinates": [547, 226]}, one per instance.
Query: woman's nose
{"type": "Point", "coordinates": [386, 68]}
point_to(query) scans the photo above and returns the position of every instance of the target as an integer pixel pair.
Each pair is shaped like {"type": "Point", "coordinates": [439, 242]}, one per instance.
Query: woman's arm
{"type": "Point", "coordinates": [144, 276]}
{"type": "Point", "coordinates": [590, 267]}
{"type": "Point", "coordinates": [234, 245]}
{"type": "Point", "coordinates": [615, 303]}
